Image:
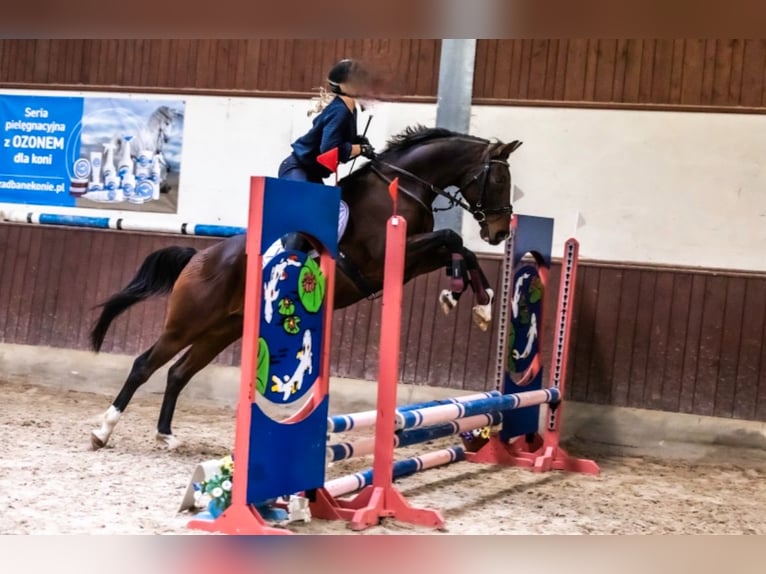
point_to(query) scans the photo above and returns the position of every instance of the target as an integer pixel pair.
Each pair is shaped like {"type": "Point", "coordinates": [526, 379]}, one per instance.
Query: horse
{"type": "Point", "coordinates": [206, 302]}
{"type": "Point", "coordinates": [153, 136]}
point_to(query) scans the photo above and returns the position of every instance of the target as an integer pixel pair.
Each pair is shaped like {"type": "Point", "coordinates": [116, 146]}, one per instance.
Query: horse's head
{"type": "Point", "coordinates": [162, 120]}
{"type": "Point", "coordinates": [436, 158]}
{"type": "Point", "coordinates": [488, 192]}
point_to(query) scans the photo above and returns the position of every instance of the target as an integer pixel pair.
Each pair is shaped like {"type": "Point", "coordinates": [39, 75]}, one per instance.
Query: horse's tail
{"type": "Point", "coordinates": [156, 276]}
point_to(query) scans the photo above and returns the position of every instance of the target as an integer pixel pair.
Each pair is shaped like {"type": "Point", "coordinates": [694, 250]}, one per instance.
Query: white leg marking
{"type": "Point", "coordinates": [99, 438]}
{"type": "Point", "coordinates": [447, 301]}
{"type": "Point", "coordinates": [482, 314]}
{"type": "Point", "coordinates": [169, 440]}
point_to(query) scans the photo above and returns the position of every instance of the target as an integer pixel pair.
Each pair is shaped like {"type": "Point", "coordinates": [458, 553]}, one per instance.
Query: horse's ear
{"type": "Point", "coordinates": [507, 149]}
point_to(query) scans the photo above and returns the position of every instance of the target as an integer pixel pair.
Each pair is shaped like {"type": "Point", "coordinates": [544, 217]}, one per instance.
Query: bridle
{"type": "Point", "coordinates": [478, 211]}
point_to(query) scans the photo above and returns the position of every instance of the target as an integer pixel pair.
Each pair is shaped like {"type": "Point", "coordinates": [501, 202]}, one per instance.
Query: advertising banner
{"type": "Point", "coordinates": [105, 153]}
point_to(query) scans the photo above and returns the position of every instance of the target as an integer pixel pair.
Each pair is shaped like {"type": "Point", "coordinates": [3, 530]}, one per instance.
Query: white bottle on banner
{"type": "Point", "coordinates": [96, 158]}
{"type": "Point", "coordinates": [108, 168]}
{"type": "Point", "coordinates": [144, 164]}
{"type": "Point", "coordinates": [128, 185]}
{"type": "Point", "coordinates": [126, 162]}
{"type": "Point", "coordinates": [156, 168]}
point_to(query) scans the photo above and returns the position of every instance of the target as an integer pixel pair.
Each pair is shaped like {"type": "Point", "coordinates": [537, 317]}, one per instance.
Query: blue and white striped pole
{"type": "Point", "coordinates": [366, 419]}
{"type": "Point", "coordinates": [124, 224]}
{"type": "Point", "coordinates": [443, 413]}
{"type": "Point", "coordinates": [366, 446]}
{"type": "Point", "coordinates": [353, 482]}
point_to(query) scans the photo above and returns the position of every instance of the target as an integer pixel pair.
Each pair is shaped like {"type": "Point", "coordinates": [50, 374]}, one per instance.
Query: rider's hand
{"type": "Point", "coordinates": [367, 151]}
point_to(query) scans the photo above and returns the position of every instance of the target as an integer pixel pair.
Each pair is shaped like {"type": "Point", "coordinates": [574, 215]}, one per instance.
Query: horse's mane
{"type": "Point", "coordinates": [418, 134]}
{"type": "Point", "coordinates": [407, 139]}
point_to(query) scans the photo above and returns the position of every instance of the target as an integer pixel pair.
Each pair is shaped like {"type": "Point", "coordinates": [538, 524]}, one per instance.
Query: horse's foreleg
{"type": "Point", "coordinates": [444, 248]}
{"type": "Point", "coordinates": [202, 351]}
{"type": "Point", "coordinates": [482, 313]}
{"type": "Point", "coordinates": [143, 368]}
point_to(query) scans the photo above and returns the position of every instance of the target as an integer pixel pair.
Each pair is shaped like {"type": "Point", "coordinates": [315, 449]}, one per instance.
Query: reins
{"type": "Point", "coordinates": [478, 211]}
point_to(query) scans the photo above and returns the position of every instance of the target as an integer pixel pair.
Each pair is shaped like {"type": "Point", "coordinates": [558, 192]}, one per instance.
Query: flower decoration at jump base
{"type": "Point", "coordinates": [215, 493]}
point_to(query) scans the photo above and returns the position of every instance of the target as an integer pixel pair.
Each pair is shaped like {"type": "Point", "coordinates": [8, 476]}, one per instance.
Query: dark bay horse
{"type": "Point", "coordinates": [205, 308]}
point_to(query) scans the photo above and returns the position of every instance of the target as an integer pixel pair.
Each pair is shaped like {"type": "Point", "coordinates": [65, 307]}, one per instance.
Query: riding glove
{"type": "Point", "coordinates": [367, 151]}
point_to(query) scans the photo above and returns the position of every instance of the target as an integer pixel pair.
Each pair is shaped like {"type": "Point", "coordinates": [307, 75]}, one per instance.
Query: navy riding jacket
{"type": "Point", "coordinates": [335, 126]}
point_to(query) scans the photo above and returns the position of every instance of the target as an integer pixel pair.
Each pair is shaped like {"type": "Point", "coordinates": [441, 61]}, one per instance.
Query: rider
{"type": "Point", "coordinates": [334, 126]}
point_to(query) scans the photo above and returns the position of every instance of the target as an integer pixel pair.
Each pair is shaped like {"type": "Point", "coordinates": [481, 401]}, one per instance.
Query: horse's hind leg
{"type": "Point", "coordinates": [203, 350]}
{"type": "Point", "coordinates": [143, 368]}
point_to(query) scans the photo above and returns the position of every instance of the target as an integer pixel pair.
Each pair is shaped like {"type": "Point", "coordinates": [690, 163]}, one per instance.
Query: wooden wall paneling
{"type": "Point", "coordinates": [694, 332]}
{"type": "Point", "coordinates": [749, 364]}
{"type": "Point", "coordinates": [605, 70]}
{"type": "Point", "coordinates": [678, 322]}
{"type": "Point", "coordinates": [551, 66]}
{"type": "Point", "coordinates": [642, 336]}
{"type": "Point", "coordinates": [7, 257]}
{"type": "Point", "coordinates": [695, 70]}
{"type": "Point", "coordinates": [480, 351]}
{"type": "Point", "coordinates": [754, 60]}
{"type": "Point", "coordinates": [600, 375]}
{"type": "Point", "coordinates": [370, 353]}
{"type": "Point", "coordinates": [735, 80]}
{"type": "Point", "coordinates": [592, 54]}
{"type": "Point", "coordinates": [708, 74]}
{"type": "Point", "coordinates": [338, 319]}
{"type": "Point", "coordinates": [346, 340]}
{"type": "Point", "coordinates": [627, 319]}
{"type": "Point", "coordinates": [66, 297]}
{"type": "Point", "coordinates": [538, 68]}
{"type": "Point", "coordinates": [431, 342]}
{"type": "Point", "coordinates": [577, 57]}
{"type": "Point", "coordinates": [13, 289]}
{"type": "Point", "coordinates": [710, 346]}
{"type": "Point", "coordinates": [525, 48]}
{"type": "Point", "coordinates": [660, 311]}
{"type": "Point", "coordinates": [731, 334]}
{"type": "Point", "coordinates": [411, 309]}
{"type": "Point", "coordinates": [54, 251]}
{"type": "Point", "coordinates": [619, 75]}
{"type": "Point", "coordinates": [662, 68]}
{"type": "Point", "coordinates": [133, 255]}
{"type": "Point", "coordinates": [460, 332]}
{"type": "Point", "coordinates": [677, 71]}
{"type": "Point", "coordinates": [486, 68]}
{"type": "Point", "coordinates": [587, 285]}
{"type": "Point", "coordinates": [646, 71]}
{"type": "Point", "coordinates": [6, 46]}
{"type": "Point", "coordinates": [33, 282]}
{"type": "Point", "coordinates": [629, 90]}
{"type": "Point", "coordinates": [515, 71]}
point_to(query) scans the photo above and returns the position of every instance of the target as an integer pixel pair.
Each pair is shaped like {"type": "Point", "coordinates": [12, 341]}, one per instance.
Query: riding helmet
{"type": "Point", "coordinates": [345, 72]}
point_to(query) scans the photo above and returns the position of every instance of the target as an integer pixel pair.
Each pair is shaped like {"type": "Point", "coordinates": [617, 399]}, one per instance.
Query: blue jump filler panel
{"type": "Point", "coordinates": [523, 359]}
{"type": "Point", "coordinates": [286, 458]}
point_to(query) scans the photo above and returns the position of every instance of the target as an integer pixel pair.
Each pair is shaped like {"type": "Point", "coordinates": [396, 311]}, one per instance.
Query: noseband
{"type": "Point", "coordinates": [478, 211]}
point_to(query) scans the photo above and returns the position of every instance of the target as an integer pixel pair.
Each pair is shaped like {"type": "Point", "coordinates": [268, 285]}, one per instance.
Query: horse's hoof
{"type": "Point", "coordinates": [447, 301]}
{"type": "Point", "coordinates": [169, 441]}
{"type": "Point", "coordinates": [480, 317]}
{"type": "Point", "coordinates": [96, 442]}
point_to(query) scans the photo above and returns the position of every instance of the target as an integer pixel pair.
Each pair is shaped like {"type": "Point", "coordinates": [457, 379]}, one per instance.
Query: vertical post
{"type": "Point", "coordinates": [240, 517]}
{"type": "Point", "coordinates": [453, 108]}
{"type": "Point", "coordinates": [390, 332]}
{"type": "Point", "coordinates": [251, 323]}
{"type": "Point", "coordinates": [563, 329]}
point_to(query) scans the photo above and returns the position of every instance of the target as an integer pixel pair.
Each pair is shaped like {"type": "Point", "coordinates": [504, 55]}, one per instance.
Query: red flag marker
{"type": "Point", "coordinates": [393, 189]}
{"type": "Point", "coordinates": [329, 159]}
